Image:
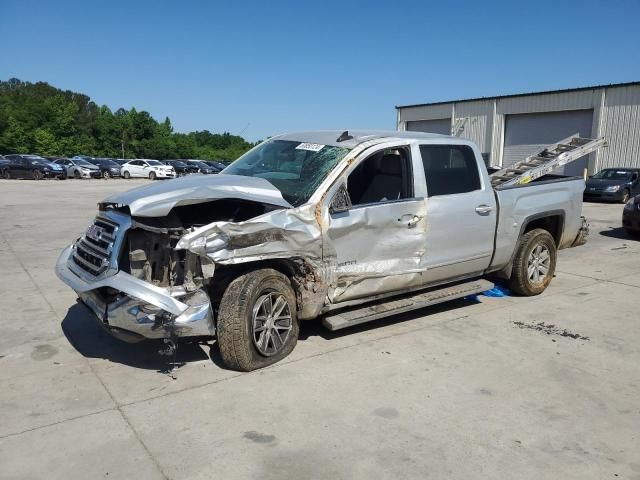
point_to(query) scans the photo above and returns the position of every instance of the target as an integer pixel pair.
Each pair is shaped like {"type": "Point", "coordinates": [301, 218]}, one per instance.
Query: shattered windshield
{"type": "Point", "coordinates": [294, 168]}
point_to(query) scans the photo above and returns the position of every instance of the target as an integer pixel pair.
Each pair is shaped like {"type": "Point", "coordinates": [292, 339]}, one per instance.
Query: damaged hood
{"type": "Point", "coordinates": [157, 199]}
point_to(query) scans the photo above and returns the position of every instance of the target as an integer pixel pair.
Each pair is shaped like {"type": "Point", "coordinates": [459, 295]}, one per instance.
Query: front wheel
{"type": "Point", "coordinates": [534, 263]}
{"type": "Point", "coordinates": [626, 195]}
{"type": "Point", "coordinates": [76, 175]}
{"type": "Point", "coordinates": [126, 174]}
{"type": "Point", "coordinates": [152, 175]}
{"type": "Point", "coordinates": [37, 175]}
{"type": "Point", "coordinates": [106, 174]}
{"type": "Point", "coordinates": [257, 321]}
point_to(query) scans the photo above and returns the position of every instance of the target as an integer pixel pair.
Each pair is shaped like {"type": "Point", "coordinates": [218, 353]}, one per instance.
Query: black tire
{"type": "Point", "coordinates": [236, 335]}
{"type": "Point", "coordinates": [626, 195]}
{"type": "Point", "coordinates": [152, 175]}
{"type": "Point", "coordinates": [523, 281]}
{"type": "Point", "coordinates": [632, 233]}
{"type": "Point", "coordinates": [77, 175]}
{"type": "Point", "coordinates": [126, 174]}
{"type": "Point", "coordinates": [106, 174]}
{"type": "Point", "coordinates": [62, 177]}
{"type": "Point", "coordinates": [36, 175]}
{"type": "Point", "coordinates": [7, 175]}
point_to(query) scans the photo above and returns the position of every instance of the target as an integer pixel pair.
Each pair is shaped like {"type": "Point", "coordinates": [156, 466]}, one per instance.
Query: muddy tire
{"type": "Point", "coordinates": [626, 195]}
{"type": "Point", "coordinates": [257, 321]}
{"type": "Point", "coordinates": [534, 263]}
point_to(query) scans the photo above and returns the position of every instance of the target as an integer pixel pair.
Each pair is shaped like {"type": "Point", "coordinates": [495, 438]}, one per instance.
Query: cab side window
{"type": "Point", "coordinates": [449, 169]}
{"type": "Point", "coordinates": [384, 176]}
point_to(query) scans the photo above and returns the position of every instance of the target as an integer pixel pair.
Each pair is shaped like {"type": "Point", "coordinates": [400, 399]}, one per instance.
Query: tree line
{"type": "Point", "coordinates": [39, 118]}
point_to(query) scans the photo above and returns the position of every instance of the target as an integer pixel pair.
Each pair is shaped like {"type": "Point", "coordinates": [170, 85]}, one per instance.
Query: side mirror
{"type": "Point", "coordinates": [341, 201]}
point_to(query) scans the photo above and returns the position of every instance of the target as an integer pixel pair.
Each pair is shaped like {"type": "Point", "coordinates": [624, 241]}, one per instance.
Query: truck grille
{"type": "Point", "coordinates": [92, 252]}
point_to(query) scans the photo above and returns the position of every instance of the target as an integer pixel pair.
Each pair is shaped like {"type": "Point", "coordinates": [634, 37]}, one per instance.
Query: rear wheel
{"type": "Point", "coordinates": [626, 195]}
{"type": "Point", "coordinates": [126, 174]}
{"type": "Point", "coordinates": [152, 175]}
{"type": "Point", "coordinates": [7, 174]}
{"type": "Point", "coordinates": [534, 263]}
{"type": "Point", "coordinates": [106, 174]}
{"type": "Point", "coordinates": [257, 322]}
{"type": "Point", "coordinates": [37, 175]}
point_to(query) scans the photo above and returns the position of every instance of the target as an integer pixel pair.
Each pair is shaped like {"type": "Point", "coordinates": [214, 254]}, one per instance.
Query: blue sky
{"type": "Point", "coordinates": [281, 65]}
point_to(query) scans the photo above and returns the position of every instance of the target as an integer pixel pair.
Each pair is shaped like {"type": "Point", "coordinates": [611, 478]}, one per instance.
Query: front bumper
{"type": "Point", "coordinates": [590, 195]}
{"type": "Point", "coordinates": [161, 174]}
{"type": "Point", "coordinates": [90, 174]}
{"type": "Point", "coordinates": [138, 308]}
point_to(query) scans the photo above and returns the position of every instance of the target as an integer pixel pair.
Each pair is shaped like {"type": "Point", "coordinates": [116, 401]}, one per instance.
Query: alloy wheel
{"type": "Point", "coordinates": [538, 264]}
{"type": "Point", "coordinates": [271, 323]}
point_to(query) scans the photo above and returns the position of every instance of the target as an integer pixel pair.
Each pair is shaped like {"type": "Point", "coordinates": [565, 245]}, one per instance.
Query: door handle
{"type": "Point", "coordinates": [410, 219]}
{"type": "Point", "coordinates": [483, 210]}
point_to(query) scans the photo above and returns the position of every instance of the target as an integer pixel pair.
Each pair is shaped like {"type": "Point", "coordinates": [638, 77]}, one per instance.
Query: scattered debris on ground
{"type": "Point", "coordinates": [550, 329]}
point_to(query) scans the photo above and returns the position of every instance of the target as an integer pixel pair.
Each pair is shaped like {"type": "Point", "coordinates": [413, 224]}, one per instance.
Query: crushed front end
{"type": "Point", "coordinates": [136, 283]}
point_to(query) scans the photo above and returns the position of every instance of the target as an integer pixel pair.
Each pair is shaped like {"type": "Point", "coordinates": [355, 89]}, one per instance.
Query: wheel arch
{"type": "Point", "coordinates": [551, 220]}
{"type": "Point", "coordinates": [305, 280]}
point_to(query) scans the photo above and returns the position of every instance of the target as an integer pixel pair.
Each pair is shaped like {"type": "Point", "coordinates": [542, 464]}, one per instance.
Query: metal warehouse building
{"type": "Point", "coordinates": [509, 128]}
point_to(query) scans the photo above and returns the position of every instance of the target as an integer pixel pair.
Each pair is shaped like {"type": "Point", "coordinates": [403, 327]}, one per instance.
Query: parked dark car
{"type": "Point", "coordinates": [33, 166]}
{"type": "Point", "coordinates": [631, 216]}
{"type": "Point", "coordinates": [108, 167]}
{"type": "Point", "coordinates": [614, 184]}
{"type": "Point", "coordinates": [4, 163]}
{"type": "Point", "coordinates": [121, 161]}
{"type": "Point", "coordinates": [180, 167]}
{"type": "Point", "coordinates": [201, 166]}
{"type": "Point", "coordinates": [215, 164]}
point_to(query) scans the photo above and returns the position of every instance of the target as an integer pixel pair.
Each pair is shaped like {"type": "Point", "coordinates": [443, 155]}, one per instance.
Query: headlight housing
{"type": "Point", "coordinates": [612, 188]}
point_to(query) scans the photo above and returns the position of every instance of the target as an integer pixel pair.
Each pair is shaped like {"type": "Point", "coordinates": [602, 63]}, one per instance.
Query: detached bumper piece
{"type": "Point", "coordinates": [583, 234]}
{"type": "Point", "coordinates": [134, 310]}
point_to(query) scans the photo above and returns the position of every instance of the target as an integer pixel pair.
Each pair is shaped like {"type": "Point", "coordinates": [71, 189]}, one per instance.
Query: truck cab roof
{"type": "Point", "coordinates": [356, 137]}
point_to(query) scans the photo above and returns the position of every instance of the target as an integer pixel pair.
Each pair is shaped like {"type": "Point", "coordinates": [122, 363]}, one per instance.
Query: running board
{"type": "Point", "coordinates": [355, 316]}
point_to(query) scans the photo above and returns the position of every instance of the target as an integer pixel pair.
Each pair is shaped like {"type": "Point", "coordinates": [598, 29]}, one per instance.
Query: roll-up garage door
{"type": "Point", "coordinates": [440, 125]}
{"type": "Point", "coordinates": [528, 133]}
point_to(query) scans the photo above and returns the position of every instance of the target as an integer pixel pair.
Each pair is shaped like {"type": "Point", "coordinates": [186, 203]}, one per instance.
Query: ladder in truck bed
{"type": "Point", "coordinates": [542, 163]}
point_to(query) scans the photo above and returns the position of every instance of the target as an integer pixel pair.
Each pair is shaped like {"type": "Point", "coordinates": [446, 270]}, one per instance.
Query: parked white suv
{"type": "Point", "coordinates": [151, 169]}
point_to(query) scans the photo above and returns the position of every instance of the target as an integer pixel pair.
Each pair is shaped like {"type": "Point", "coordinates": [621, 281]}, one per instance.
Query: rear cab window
{"type": "Point", "coordinates": [449, 169]}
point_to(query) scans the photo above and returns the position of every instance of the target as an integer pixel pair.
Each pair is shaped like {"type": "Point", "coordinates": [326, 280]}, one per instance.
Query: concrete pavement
{"type": "Point", "coordinates": [454, 391]}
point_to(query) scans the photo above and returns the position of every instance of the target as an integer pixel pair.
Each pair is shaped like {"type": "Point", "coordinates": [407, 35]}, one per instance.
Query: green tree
{"type": "Point", "coordinates": [37, 117]}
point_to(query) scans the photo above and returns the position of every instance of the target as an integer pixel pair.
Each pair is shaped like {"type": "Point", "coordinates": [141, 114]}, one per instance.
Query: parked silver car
{"type": "Point", "coordinates": [344, 226]}
{"type": "Point", "coordinates": [77, 167]}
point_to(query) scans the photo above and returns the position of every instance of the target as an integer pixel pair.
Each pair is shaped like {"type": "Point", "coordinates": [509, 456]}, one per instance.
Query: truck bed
{"type": "Point", "coordinates": [517, 204]}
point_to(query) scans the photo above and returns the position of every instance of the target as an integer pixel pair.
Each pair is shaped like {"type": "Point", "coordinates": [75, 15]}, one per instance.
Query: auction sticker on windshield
{"type": "Point", "coordinates": [312, 147]}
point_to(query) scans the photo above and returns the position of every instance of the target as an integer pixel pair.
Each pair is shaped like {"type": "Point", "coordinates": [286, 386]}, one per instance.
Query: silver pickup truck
{"type": "Point", "coordinates": [346, 226]}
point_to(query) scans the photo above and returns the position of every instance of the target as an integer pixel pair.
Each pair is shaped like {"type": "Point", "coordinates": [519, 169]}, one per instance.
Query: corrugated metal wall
{"type": "Point", "coordinates": [478, 124]}
{"type": "Point", "coordinates": [616, 116]}
{"type": "Point", "coordinates": [620, 125]}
